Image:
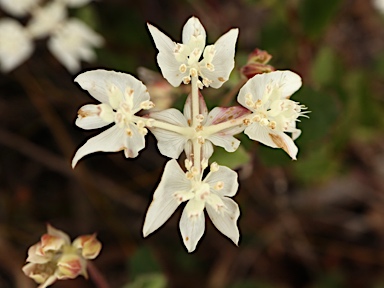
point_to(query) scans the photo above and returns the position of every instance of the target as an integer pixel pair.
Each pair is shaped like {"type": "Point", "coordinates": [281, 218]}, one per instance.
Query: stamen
{"type": "Point", "coordinates": [147, 104]}
{"type": "Point", "coordinates": [188, 164]}
{"type": "Point", "coordinates": [214, 167]}
{"type": "Point", "coordinates": [219, 185]}
{"type": "Point", "coordinates": [187, 80]}
{"type": "Point", "coordinates": [200, 118]}
{"type": "Point", "coordinates": [204, 163]}
{"type": "Point", "coordinates": [183, 68]}
{"type": "Point", "coordinates": [264, 122]}
{"type": "Point", "coordinates": [193, 72]}
{"type": "Point", "coordinates": [201, 140]}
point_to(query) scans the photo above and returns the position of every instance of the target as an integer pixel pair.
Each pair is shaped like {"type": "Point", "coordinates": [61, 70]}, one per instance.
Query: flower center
{"type": "Point", "coordinates": [274, 111]}
{"type": "Point", "coordinates": [189, 55]}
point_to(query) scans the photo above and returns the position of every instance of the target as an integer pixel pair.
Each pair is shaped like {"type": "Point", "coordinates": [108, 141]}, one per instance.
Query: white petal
{"type": "Point", "coordinates": [111, 140]}
{"type": "Point", "coordinates": [170, 143]}
{"type": "Point", "coordinates": [287, 81]}
{"type": "Point", "coordinates": [272, 139]}
{"type": "Point", "coordinates": [134, 143]}
{"type": "Point", "coordinates": [229, 179]}
{"type": "Point", "coordinates": [168, 64]}
{"type": "Point", "coordinates": [15, 44]}
{"type": "Point", "coordinates": [191, 227]}
{"type": "Point", "coordinates": [92, 116]}
{"type": "Point", "coordinates": [46, 19]}
{"type": "Point", "coordinates": [228, 142]}
{"type": "Point", "coordinates": [187, 111]}
{"type": "Point", "coordinates": [72, 42]}
{"type": "Point", "coordinates": [194, 28]}
{"type": "Point", "coordinates": [207, 150]}
{"type": "Point", "coordinates": [98, 82]}
{"type": "Point", "coordinates": [17, 8]}
{"type": "Point", "coordinates": [58, 233]}
{"type": "Point", "coordinates": [224, 59]}
{"type": "Point", "coordinates": [260, 134]}
{"type": "Point", "coordinates": [164, 203]}
{"type": "Point", "coordinates": [225, 220]}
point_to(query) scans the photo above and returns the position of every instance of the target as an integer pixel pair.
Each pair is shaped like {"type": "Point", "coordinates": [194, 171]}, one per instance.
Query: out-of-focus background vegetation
{"type": "Point", "coordinates": [316, 222]}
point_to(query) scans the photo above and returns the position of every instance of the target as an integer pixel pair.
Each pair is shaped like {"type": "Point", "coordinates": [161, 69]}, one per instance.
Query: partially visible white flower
{"type": "Point", "coordinates": [379, 5]}
{"type": "Point", "coordinates": [171, 143]}
{"type": "Point", "coordinates": [211, 194]}
{"type": "Point", "coordinates": [15, 44]}
{"type": "Point", "coordinates": [267, 96]}
{"type": "Point", "coordinates": [121, 96]}
{"type": "Point", "coordinates": [46, 19]}
{"type": "Point", "coordinates": [18, 8]}
{"type": "Point", "coordinates": [75, 3]}
{"type": "Point", "coordinates": [72, 42]}
{"type": "Point", "coordinates": [179, 62]}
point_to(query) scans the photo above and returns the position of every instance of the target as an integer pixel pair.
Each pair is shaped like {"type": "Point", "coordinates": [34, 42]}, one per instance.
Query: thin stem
{"type": "Point", "coordinates": [213, 129]}
{"type": "Point", "coordinates": [195, 122]}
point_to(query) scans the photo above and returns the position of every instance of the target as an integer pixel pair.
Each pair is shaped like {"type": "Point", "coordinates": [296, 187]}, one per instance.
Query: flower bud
{"type": "Point", "coordinates": [257, 64]}
{"type": "Point", "coordinates": [70, 266]}
{"type": "Point", "coordinates": [89, 245]}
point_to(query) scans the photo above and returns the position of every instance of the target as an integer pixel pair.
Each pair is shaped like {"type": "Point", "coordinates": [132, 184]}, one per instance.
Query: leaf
{"type": "Point", "coordinates": [316, 15]}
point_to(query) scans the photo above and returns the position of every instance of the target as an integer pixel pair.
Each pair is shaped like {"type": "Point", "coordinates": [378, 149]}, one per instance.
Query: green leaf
{"type": "Point", "coordinates": [154, 280]}
{"type": "Point", "coordinates": [143, 262]}
{"type": "Point", "coordinates": [324, 69]}
{"type": "Point", "coordinates": [316, 15]}
{"type": "Point", "coordinates": [233, 160]}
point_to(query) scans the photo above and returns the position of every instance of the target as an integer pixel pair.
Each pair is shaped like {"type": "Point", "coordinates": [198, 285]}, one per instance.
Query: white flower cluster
{"type": "Point", "coordinates": [266, 115]}
{"type": "Point", "coordinates": [69, 39]}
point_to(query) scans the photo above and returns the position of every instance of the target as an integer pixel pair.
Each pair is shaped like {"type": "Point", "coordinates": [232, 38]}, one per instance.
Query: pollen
{"type": "Point", "coordinates": [219, 185]}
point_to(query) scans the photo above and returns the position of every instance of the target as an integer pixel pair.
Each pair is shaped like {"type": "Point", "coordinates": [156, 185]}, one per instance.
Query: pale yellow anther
{"type": "Point", "coordinates": [264, 122]}
{"type": "Point", "coordinates": [272, 124]}
{"type": "Point", "coordinates": [256, 118]}
{"type": "Point", "coordinates": [193, 72]}
{"type": "Point", "coordinates": [249, 103]}
{"type": "Point", "coordinates": [183, 68]}
{"type": "Point", "coordinates": [189, 175]}
{"type": "Point", "coordinates": [187, 80]}
{"type": "Point", "coordinates": [219, 185]}
{"type": "Point", "coordinates": [140, 124]}
{"type": "Point", "coordinates": [206, 82]}
{"type": "Point", "coordinates": [129, 132]}
{"type": "Point", "coordinates": [143, 131]}
{"type": "Point", "coordinates": [258, 104]}
{"type": "Point", "coordinates": [210, 66]}
{"type": "Point", "coordinates": [201, 140]}
{"type": "Point", "coordinates": [149, 123]}
{"type": "Point", "coordinates": [188, 164]}
{"type": "Point", "coordinates": [200, 85]}
{"type": "Point", "coordinates": [214, 167]}
{"type": "Point", "coordinates": [200, 118]}
{"type": "Point", "coordinates": [194, 170]}
{"type": "Point", "coordinates": [147, 104]}
{"type": "Point", "coordinates": [248, 96]}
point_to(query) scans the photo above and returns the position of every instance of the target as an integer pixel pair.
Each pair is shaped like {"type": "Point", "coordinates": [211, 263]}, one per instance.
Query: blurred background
{"type": "Point", "coordinates": [315, 222]}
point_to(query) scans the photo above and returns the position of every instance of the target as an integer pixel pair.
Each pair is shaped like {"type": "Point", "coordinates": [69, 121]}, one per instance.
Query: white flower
{"type": "Point", "coordinates": [379, 5]}
{"type": "Point", "coordinates": [121, 96]}
{"type": "Point", "coordinates": [171, 143]}
{"type": "Point", "coordinates": [46, 19]}
{"type": "Point", "coordinates": [179, 62]}
{"type": "Point", "coordinates": [71, 42]}
{"type": "Point", "coordinates": [211, 193]}
{"type": "Point", "coordinates": [18, 8]}
{"type": "Point", "coordinates": [15, 44]}
{"type": "Point", "coordinates": [267, 96]}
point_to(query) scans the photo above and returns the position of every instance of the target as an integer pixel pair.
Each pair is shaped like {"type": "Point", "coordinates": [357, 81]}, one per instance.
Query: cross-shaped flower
{"type": "Point", "coordinates": [181, 61]}
{"type": "Point", "coordinates": [273, 113]}
{"type": "Point", "coordinates": [211, 194]}
{"type": "Point", "coordinates": [122, 96]}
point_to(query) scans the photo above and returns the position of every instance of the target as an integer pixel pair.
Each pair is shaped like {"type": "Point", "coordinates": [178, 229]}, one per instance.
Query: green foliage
{"type": "Point", "coordinates": [232, 160]}
{"type": "Point", "coordinates": [316, 15]}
